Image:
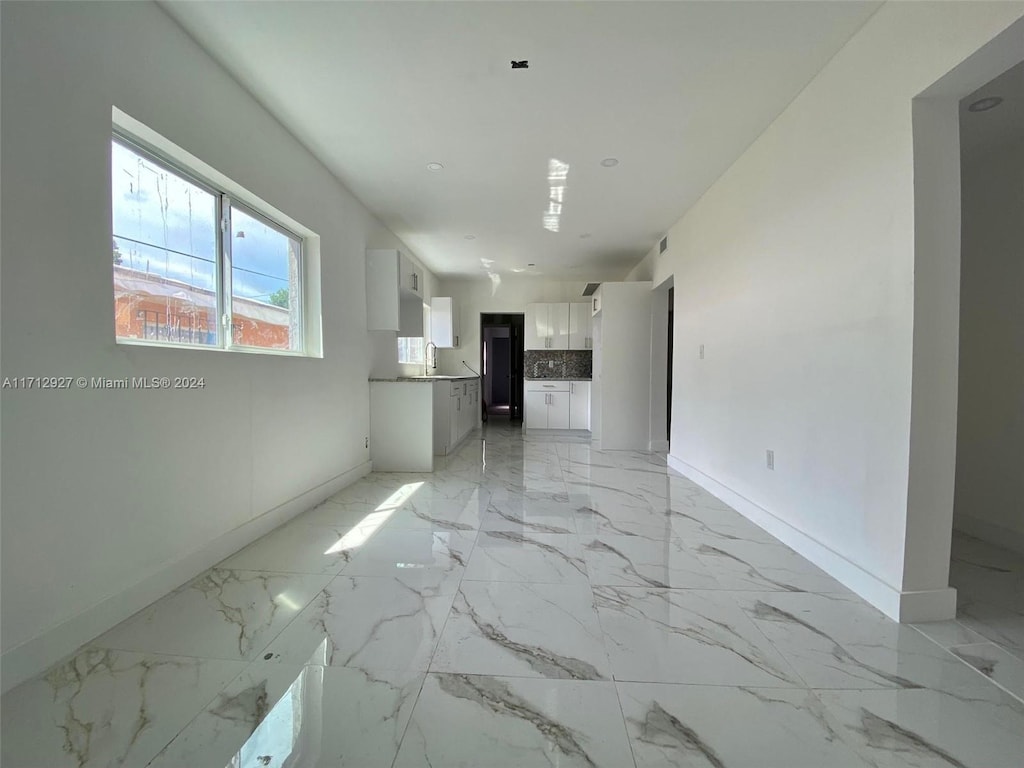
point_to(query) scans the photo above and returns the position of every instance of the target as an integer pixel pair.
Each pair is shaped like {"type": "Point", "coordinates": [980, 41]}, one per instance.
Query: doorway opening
{"type": "Point", "coordinates": [661, 365]}
{"type": "Point", "coordinates": [987, 551]}
{"type": "Point", "coordinates": [501, 358]}
{"type": "Point", "coordinates": [950, 230]}
{"type": "Point", "coordinates": [668, 369]}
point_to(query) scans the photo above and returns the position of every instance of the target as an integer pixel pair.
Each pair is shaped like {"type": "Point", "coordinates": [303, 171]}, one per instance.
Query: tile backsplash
{"type": "Point", "coordinates": [568, 364]}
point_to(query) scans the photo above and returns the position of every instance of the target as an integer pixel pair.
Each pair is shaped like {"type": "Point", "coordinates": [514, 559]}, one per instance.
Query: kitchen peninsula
{"type": "Point", "coordinates": [414, 418]}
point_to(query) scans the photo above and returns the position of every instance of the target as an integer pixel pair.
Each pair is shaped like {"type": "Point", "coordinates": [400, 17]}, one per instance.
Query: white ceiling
{"type": "Point", "coordinates": [674, 90]}
{"type": "Point", "coordinates": [982, 132]}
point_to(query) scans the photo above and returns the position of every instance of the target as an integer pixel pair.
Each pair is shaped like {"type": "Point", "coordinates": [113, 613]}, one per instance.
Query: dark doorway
{"type": "Point", "coordinates": [501, 372]}
{"type": "Point", "coordinates": [668, 409]}
{"type": "Point", "coordinates": [501, 355]}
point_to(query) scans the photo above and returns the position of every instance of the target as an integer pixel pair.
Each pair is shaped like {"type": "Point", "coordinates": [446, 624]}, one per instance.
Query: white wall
{"type": "Point", "coordinates": [112, 498]}
{"type": "Point", "coordinates": [475, 296]}
{"type": "Point", "coordinates": [796, 270]}
{"type": "Point", "coordinates": [989, 499]}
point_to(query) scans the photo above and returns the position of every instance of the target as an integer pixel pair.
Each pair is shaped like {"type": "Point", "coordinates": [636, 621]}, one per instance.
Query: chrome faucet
{"type": "Point", "coordinates": [426, 358]}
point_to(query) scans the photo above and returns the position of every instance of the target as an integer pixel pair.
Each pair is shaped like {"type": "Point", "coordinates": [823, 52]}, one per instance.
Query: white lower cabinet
{"type": "Point", "coordinates": [456, 406]}
{"type": "Point", "coordinates": [579, 405]}
{"type": "Point", "coordinates": [557, 405]}
{"type": "Point", "coordinates": [558, 410]}
{"type": "Point", "coordinates": [454, 420]}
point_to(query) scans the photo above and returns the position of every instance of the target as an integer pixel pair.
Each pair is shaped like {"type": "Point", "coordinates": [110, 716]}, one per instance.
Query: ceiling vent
{"type": "Point", "coordinates": [663, 245]}
{"type": "Point", "coordinates": [591, 287]}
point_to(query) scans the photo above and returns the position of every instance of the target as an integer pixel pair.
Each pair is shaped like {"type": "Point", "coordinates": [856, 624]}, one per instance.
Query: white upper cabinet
{"type": "Point", "coordinates": [411, 276]}
{"type": "Point", "coordinates": [391, 277]}
{"type": "Point", "coordinates": [558, 316]}
{"type": "Point", "coordinates": [537, 330]}
{"type": "Point", "coordinates": [444, 322]}
{"type": "Point", "coordinates": [579, 403]}
{"type": "Point", "coordinates": [581, 323]}
{"type": "Point", "coordinates": [547, 326]}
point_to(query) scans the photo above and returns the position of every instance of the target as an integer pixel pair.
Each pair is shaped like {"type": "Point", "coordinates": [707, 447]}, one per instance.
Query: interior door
{"type": "Point", "coordinates": [501, 371]}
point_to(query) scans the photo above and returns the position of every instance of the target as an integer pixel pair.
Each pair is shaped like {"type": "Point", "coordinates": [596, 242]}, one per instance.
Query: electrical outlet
{"type": "Point", "coordinates": [366, 442]}
{"type": "Point", "coordinates": [701, 351]}
{"type": "Point", "coordinates": [770, 459]}
{"type": "Point", "coordinates": [551, 363]}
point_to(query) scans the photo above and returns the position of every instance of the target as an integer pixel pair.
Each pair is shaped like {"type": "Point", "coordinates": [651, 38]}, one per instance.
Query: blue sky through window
{"type": "Point", "coordinates": [166, 225]}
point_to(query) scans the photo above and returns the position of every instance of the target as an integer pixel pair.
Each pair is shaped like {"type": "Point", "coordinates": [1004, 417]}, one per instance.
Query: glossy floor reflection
{"type": "Point", "coordinates": [534, 602]}
{"type": "Point", "coordinates": [988, 632]}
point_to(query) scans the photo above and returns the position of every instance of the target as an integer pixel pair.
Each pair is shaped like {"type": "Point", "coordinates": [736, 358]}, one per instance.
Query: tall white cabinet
{"type": "Point", "coordinates": [622, 365]}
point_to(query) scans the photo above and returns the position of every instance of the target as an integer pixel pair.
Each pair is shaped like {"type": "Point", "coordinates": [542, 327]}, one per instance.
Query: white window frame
{"type": "Point", "coordinates": [308, 304]}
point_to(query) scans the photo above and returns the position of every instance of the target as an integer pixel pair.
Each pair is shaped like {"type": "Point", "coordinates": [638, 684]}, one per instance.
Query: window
{"type": "Point", "coordinates": [410, 349]}
{"type": "Point", "coordinates": [193, 266]}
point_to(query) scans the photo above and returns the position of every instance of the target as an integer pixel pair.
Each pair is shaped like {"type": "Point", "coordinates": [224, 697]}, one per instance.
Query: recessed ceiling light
{"type": "Point", "coordinates": [984, 105]}
{"type": "Point", "coordinates": [609, 162]}
{"type": "Point", "coordinates": [435, 167]}
{"type": "Point", "coordinates": [470, 237]}
{"type": "Point", "coordinates": [584, 236]}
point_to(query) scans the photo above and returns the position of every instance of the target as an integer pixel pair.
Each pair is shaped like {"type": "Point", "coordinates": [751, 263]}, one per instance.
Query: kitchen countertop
{"type": "Point", "coordinates": [557, 378]}
{"type": "Point", "coordinates": [425, 379]}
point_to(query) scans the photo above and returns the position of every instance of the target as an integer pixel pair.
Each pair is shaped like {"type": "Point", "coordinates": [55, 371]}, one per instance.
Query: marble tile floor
{"type": "Point", "coordinates": [534, 602]}
{"type": "Point", "coordinates": [988, 632]}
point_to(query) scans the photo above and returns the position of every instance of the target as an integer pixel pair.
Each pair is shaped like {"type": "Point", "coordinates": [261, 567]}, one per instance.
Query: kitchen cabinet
{"type": "Point", "coordinates": [454, 421]}
{"type": "Point", "coordinates": [536, 330]}
{"type": "Point", "coordinates": [456, 409]}
{"type": "Point", "coordinates": [444, 322]}
{"type": "Point", "coordinates": [621, 392]}
{"type": "Point", "coordinates": [414, 419]}
{"type": "Point", "coordinates": [411, 276]}
{"type": "Point", "coordinates": [547, 326]}
{"type": "Point", "coordinates": [579, 405]}
{"type": "Point", "coordinates": [392, 279]}
{"type": "Point", "coordinates": [536, 410]}
{"type": "Point", "coordinates": [557, 404]}
{"type": "Point", "coordinates": [581, 323]}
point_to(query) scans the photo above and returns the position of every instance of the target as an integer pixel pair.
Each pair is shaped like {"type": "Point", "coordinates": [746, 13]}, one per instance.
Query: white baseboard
{"type": "Point", "coordinates": [33, 656]}
{"type": "Point", "coordinates": [930, 605]}
{"type": "Point", "coordinates": [994, 534]}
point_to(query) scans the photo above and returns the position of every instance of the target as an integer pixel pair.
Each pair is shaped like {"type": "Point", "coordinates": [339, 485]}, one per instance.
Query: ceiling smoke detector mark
{"type": "Point", "coordinates": [610, 162]}
{"type": "Point", "coordinates": [524, 64]}
{"type": "Point", "coordinates": [435, 167]}
{"type": "Point", "coordinates": [984, 105]}
{"type": "Point", "coordinates": [470, 237]}
{"type": "Point", "coordinates": [584, 236]}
